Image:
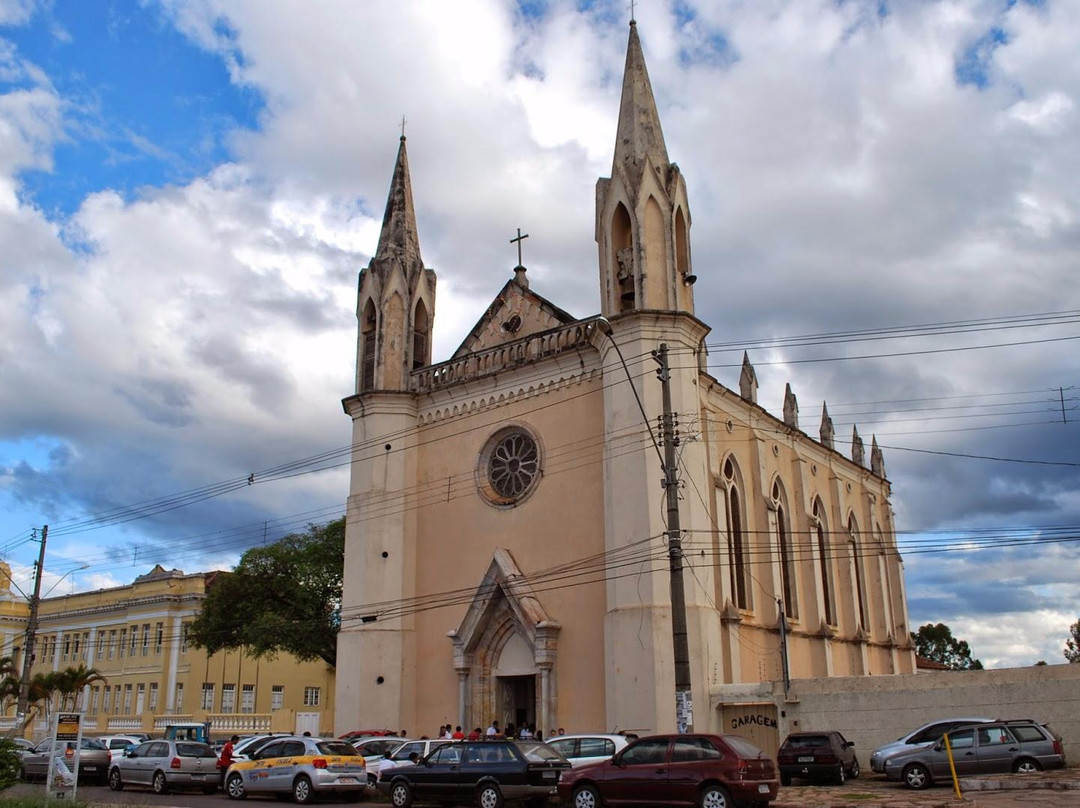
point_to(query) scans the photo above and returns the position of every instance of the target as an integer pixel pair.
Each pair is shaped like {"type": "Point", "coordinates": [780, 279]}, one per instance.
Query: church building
{"type": "Point", "coordinates": [508, 537]}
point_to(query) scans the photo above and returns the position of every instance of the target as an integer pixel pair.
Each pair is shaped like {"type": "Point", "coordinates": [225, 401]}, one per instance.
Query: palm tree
{"type": "Point", "coordinates": [71, 682]}
{"type": "Point", "coordinates": [43, 686]}
{"type": "Point", "coordinates": [9, 681]}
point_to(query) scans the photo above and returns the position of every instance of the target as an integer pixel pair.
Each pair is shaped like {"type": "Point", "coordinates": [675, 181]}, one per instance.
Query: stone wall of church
{"type": "Point", "coordinates": [558, 523]}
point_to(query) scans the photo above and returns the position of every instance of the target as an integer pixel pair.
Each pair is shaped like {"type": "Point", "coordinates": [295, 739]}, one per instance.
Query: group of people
{"type": "Point", "coordinates": [523, 733]}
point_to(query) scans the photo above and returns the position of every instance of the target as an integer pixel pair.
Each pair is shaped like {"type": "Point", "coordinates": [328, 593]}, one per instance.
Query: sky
{"type": "Point", "coordinates": [188, 189]}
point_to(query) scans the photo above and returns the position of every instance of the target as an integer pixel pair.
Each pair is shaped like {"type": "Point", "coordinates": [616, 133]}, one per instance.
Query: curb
{"type": "Point", "coordinates": [967, 785]}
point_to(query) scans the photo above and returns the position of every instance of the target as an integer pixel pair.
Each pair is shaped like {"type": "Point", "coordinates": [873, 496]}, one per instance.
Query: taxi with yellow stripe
{"type": "Point", "coordinates": [301, 767]}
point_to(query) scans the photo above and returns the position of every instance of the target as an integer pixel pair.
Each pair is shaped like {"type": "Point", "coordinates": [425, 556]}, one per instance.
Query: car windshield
{"type": "Point", "coordinates": [742, 747]}
{"type": "Point", "coordinates": [807, 742]}
{"type": "Point", "coordinates": [195, 750]}
{"type": "Point", "coordinates": [341, 748]}
{"type": "Point", "coordinates": [538, 752]}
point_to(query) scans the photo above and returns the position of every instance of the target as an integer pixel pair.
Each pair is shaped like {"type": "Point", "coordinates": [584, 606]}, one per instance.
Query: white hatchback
{"type": "Point", "coordinates": [582, 749]}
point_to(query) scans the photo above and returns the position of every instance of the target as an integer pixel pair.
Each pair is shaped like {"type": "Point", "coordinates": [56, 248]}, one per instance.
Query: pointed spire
{"type": "Point", "coordinates": [748, 380]}
{"type": "Point", "coordinates": [877, 459]}
{"type": "Point", "coordinates": [858, 453]}
{"type": "Point", "coordinates": [398, 238]}
{"type": "Point", "coordinates": [791, 408]}
{"type": "Point", "coordinates": [639, 134]}
{"type": "Point", "coordinates": [828, 432]}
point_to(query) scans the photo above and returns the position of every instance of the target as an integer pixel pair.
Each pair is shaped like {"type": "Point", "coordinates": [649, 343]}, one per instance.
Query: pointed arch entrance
{"type": "Point", "coordinates": [505, 651]}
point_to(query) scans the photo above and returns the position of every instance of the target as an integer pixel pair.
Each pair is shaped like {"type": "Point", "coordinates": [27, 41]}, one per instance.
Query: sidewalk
{"type": "Point", "coordinates": [1055, 789]}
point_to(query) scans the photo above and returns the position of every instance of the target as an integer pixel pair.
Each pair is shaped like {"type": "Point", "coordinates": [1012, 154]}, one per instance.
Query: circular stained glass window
{"type": "Point", "coordinates": [510, 466]}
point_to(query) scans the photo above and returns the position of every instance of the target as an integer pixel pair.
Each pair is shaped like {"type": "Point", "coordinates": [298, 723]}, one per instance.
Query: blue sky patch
{"type": "Point", "coordinates": [164, 123]}
{"type": "Point", "coordinates": [973, 65]}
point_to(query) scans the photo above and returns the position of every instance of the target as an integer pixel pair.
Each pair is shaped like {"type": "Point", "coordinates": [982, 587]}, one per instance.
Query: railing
{"type": "Point", "coordinates": [162, 721]}
{"type": "Point", "coordinates": [239, 722]}
{"type": "Point", "coordinates": [504, 357]}
{"type": "Point", "coordinates": [125, 723]}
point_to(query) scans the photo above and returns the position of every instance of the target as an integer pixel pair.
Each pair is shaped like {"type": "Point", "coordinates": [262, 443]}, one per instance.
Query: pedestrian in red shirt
{"type": "Point", "coordinates": [225, 760]}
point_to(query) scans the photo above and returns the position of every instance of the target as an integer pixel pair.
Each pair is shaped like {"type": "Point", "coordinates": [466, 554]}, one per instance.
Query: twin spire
{"type": "Point", "coordinates": [399, 238]}
{"type": "Point", "coordinates": [639, 134]}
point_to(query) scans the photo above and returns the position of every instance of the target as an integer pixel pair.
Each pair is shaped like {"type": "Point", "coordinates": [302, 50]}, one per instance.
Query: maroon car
{"type": "Point", "coordinates": [710, 771]}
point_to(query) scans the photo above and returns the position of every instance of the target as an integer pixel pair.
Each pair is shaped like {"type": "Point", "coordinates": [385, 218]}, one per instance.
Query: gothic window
{"type": "Point", "coordinates": [509, 467]}
{"type": "Point", "coordinates": [785, 553]}
{"type": "Point", "coordinates": [736, 536]}
{"type": "Point", "coordinates": [856, 563]}
{"type": "Point", "coordinates": [682, 246]}
{"type": "Point", "coordinates": [367, 347]}
{"type": "Point", "coordinates": [421, 331]}
{"type": "Point", "coordinates": [822, 536]}
{"type": "Point", "coordinates": [622, 260]}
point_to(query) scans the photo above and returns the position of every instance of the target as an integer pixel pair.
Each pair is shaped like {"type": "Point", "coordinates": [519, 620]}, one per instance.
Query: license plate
{"type": "Point", "coordinates": [762, 789]}
{"type": "Point", "coordinates": [806, 759]}
{"type": "Point", "coordinates": [550, 775]}
{"type": "Point", "coordinates": [198, 777]}
{"type": "Point", "coordinates": [89, 768]}
{"type": "Point", "coordinates": [346, 779]}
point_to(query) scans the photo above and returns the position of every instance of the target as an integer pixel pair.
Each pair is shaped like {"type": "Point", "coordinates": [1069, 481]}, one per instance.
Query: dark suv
{"type": "Point", "coordinates": [710, 771]}
{"type": "Point", "coordinates": [484, 772]}
{"type": "Point", "coordinates": [993, 748]}
{"type": "Point", "coordinates": [826, 755]}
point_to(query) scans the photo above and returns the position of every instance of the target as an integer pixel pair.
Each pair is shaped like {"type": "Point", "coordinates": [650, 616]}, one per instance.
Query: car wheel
{"type": "Point", "coordinates": [785, 779]}
{"type": "Point", "coordinates": [1027, 766]}
{"type": "Point", "coordinates": [854, 773]}
{"type": "Point", "coordinates": [116, 782]}
{"type": "Point", "coordinates": [916, 776]}
{"type": "Point", "coordinates": [302, 791]}
{"type": "Point", "coordinates": [489, 796]}
{"type": "Point", "coordinates": [401, 794]}
{"type": "Point", "coordinates": [234, 787]}
{"type": "Point", "coordinates": [841, 775]}
{"type": "Point", "coordinates": [372, 780]}
{"type": "Point", "coordinates": [587, 796]}
{"type": "Point", "coordinates": [160, 785]}
{"type": "Point", "coordinates": [714, 796]}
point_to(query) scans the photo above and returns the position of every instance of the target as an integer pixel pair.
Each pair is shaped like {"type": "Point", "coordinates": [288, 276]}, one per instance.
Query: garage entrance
{"type": "Point", "coordinates": [755, 722]}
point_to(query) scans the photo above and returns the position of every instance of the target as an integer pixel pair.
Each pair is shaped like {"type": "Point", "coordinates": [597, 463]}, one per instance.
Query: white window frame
{"type": "Point", "coordinates": [312, 696]}
{"type": "Point", "coordinates": [277, 697]}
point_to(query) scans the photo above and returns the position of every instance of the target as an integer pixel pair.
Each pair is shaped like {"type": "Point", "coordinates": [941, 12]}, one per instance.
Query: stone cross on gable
{"type": "Point", "coordinates": [520, 238]}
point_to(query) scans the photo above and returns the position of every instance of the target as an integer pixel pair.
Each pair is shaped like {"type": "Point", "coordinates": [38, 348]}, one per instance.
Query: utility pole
{"type": "Point", "coordinates": [31, 632]}
{"type": "Point", "coordinates": [684, 706]}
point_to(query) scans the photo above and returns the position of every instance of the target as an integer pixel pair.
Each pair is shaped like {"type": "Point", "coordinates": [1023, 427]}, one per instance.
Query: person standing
{"type": "Point", "coordinates": [225, 760]}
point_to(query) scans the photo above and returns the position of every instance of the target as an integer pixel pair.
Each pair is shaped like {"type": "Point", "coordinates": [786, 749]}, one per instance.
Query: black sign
{"type": "Point", "coordinates": [758, 720]}
{"type": "Point", "coordinates": [67, 726]}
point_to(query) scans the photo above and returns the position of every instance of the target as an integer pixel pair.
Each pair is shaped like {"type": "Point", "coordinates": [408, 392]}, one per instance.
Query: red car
{"type": "Point", "coordinates": [710, 771]}
{"type": "Point", "coordinates": [366, 733]}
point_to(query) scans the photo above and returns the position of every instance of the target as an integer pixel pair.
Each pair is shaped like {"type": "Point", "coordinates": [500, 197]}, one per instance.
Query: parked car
{"type": "Point", "coordinates": [989, 748]}
{"type": "Point", "coordinates": [116, 744]}
{"type": "Point", "coordinates": [925, 735]}
{"type": "Point", "coordinates": [22, 745]}
{"type": "Point", "coordinates": [375, 750]}
{"type": "Point", "coordinates": [817, 756]}
{"type": "Point", "coordinates": [93, 759]}
{"type": "Point", "coordinates": [301, 766]}
{"type": "Point", "coordinates": [367, 733]}
{"type": "Point", "coordinates": [165, 765]}
{"type": "Point", "coordinates": [401, 754]}
{"type": "Point", "coordinates": [251, 744]}
{"type": "Point", "coordinates": [487, 772]}
{"type": "Point", "coordinates": [583, 749]}
{"type": "Point", "coordinates": [711, 771]}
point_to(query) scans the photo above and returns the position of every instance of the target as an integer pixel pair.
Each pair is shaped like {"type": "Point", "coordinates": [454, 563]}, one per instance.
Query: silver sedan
{"type": "Point", "coordinates": [165, 765]}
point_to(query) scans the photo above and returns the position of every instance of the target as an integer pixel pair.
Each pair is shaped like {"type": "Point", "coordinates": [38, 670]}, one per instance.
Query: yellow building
{"type": "Point", "coordinates": [507, 540]}
{"type": "Point", "coordinates": [136, 637]}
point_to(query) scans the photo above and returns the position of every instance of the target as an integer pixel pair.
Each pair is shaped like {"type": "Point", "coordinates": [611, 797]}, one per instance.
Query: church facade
{"type": "Point", "coordinates": [507, 550]}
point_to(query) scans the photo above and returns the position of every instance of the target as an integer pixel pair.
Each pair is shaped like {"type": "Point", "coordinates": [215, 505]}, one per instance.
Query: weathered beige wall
{"type": "Point", "coordinates": [874, 710]}
{"type": "Point", "coordinates": [558, 523]}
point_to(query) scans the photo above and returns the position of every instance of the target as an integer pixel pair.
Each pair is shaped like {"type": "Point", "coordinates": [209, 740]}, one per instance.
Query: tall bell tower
{"type": "Point", "coordinates": [396, 300]}
{"type": "Point", "coordinates": [642, 211]}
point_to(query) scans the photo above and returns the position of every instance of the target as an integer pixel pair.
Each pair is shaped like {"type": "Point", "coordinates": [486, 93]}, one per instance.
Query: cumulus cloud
{"type": "Point", "coordinates": [850, 165]}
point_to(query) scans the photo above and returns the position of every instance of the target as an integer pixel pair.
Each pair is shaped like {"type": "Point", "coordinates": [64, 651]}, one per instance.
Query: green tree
{"type": "Point", "coordinates": [284, 596]}
{"type": "Point", "coordinates": [9, 764]}
{"type": "Point", "coordinates": [1072, 645]}
{"type": "Point", "coordinates": [937, 642]}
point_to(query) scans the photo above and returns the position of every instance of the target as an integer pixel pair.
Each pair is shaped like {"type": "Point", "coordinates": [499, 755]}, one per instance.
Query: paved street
{"type": "Point", "coordinates": [866, 792]}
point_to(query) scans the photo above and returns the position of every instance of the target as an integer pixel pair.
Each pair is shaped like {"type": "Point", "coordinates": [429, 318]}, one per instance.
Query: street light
{"type": "Point", "coordinates": [80, 568]}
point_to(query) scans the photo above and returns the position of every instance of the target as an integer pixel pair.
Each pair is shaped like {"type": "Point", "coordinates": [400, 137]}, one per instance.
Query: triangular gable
{"type": "Point", "coordinates": [502, 583]}
{"type": "Point", "coordinates": [516, 312]}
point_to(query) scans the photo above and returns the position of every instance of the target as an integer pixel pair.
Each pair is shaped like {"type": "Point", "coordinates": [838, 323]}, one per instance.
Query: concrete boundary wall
{"type": "Point", "coordinates": [873, 710]}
